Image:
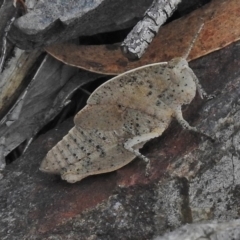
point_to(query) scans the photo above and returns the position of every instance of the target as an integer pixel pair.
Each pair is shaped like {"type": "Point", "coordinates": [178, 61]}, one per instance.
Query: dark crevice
{"type": "Point", "coordinates": [185, 208]}
{"type": "Point", "coordinates": [15, 153]}
{"type": "Point", "coordinates": [118, 36]}
{"type": "Point", "coordinates": [105, 38]}
{"type": "Point", "coordinates": [77, 102]}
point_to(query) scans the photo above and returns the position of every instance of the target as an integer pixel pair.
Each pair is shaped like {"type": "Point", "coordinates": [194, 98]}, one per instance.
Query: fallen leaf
{"type": "Point", "coordinates": [221, 28]}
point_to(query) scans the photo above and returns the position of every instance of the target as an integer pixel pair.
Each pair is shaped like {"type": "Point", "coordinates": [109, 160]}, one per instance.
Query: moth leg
{"type": "Point", "coordinates": [200, 89]}
{"type": "Point", "coordinates": [185, 124]}
{"type": "Point", "coordinates": [130, 143]}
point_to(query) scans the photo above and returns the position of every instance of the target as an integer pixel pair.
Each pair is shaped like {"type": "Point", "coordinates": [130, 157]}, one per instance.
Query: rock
{"type": "Point", "coordinates": [48, 92]}
{"type": "Point", "coordinates": [7, 11]}
{"type": "Point", "coordinates": [211, 230]}
{"type": "Point", "coordinates": [192, 179]}
{"type": "Point", "coordinates": [52, 21]}
{"type": "Point", "coordinates": [13, 78]}
{"type": "Point", "coordinates": [57, 20]}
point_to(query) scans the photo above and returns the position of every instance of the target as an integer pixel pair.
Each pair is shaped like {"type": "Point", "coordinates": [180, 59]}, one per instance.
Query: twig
{"type": "Point", "coordinates": [28, 144]}
{"type": "Point", "coordinates": [138, 40]}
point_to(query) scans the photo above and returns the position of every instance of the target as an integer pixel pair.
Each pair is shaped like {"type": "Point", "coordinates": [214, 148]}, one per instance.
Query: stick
{"type": "Point", "coordinates": [138, 40]}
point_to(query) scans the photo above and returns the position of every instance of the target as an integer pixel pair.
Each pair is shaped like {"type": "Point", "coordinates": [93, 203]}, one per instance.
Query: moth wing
{"type": "Point", "coordinates": [112, 155]}
{"type": "Point", "coordinates": [77, 145]}
{"type": "Point", "coordinates": [94, 146]}
{"type": "Point", "coordinates": [94, 132]}
{"type": "Point", "coordinates": [115, 158]}
{"type": "Point", "coordinates": [136, 88]}
{"type": "Point", "coordinates": [105, 117]}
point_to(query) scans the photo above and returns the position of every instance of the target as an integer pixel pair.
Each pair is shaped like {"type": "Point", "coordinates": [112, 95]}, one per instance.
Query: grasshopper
{"type": "Point", "coordinates": [121, 116]}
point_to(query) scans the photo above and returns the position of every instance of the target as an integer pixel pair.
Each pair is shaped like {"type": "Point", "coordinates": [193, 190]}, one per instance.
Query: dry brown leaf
{"type": "Point", "coordinates": [222, 27]}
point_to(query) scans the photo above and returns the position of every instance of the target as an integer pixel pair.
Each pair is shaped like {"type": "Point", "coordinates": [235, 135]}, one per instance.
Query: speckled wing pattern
{"type": "Point", "coordinates": [120, 116]}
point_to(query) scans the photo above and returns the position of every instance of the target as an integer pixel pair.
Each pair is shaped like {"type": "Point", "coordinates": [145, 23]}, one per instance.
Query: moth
{"type": "Point", "coordinates": [121, 116]}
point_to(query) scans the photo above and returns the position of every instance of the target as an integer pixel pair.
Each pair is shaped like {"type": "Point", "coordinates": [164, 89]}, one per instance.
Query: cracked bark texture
{"type": "Point", "coordinates": [192, 179]}
{"type": "Point", "coordinates": [138, 40]}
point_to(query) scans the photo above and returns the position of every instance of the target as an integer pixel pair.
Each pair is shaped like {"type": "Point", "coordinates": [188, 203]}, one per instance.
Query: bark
{"type": "Point", "coordinates": [138, 40]}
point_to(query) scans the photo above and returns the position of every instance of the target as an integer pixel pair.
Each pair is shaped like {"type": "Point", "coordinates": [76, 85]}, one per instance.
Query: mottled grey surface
{"type": "Point", "coordinates": [56, 20]}
{"type": "Point", "coordinates": [7, 11]}
{"type": "Point", "coordinates": [53, 20]}
{"type": "Point", "coordinates": [206, 231]}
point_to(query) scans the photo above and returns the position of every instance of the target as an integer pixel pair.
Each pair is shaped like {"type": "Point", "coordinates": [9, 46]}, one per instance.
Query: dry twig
{"type": "Point", "coordinates": [137, 41]}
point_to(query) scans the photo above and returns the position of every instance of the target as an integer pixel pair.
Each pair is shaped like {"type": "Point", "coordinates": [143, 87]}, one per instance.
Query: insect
{"type": "Point", "coordinates": [121, 116]}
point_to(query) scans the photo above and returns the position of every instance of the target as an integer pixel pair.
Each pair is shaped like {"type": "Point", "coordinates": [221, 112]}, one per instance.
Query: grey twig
{"type": "Point", "coordinates": [137, 41]}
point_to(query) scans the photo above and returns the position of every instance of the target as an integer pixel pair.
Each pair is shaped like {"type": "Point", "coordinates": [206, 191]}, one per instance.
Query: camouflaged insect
{"type": "Point", "coordinates": [120, 117]}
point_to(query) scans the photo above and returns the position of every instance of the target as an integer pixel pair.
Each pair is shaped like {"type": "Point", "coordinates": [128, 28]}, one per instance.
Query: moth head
{"type": "Point", "coordinates": [179, 63]}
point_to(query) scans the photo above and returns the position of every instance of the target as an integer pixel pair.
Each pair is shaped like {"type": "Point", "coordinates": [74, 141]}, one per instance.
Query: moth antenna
{"type": "Point", "coordinates": [185, 56]}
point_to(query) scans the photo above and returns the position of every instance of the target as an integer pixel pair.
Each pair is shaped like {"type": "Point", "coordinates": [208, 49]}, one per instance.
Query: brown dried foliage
{"type": "Point", "coordinates": [221, 28]}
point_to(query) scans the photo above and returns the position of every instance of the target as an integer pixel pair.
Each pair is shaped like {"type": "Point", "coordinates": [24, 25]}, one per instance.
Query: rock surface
{"type": "Point", "coordinates": [208, 231]}
{"type": "Point", "coordinates": [192, 179]}
{"type": "Point", "coordinates": [47, 94]}
{"type": "Point", "coordinates": [52, 21]}
{"type": "Point", "coordinates": [56, 20]}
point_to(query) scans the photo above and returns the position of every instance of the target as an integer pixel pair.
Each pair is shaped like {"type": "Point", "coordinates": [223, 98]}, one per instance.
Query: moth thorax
{"type": "Point", "coordinates": [178, 63]}
{"type": "Point", "coordinates": [187, 86]}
